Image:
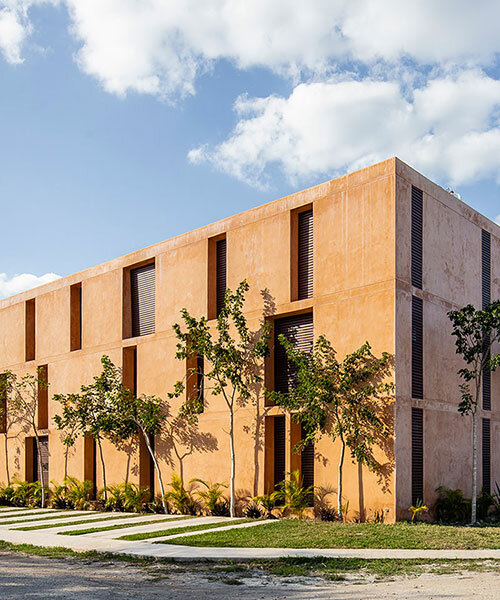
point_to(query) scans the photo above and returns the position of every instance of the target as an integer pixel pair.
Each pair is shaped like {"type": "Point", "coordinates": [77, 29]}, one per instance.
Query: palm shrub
{"type": "Point", "coordinates": [135, 497]}
{"type": "Point", "coordinates": [79, 493]}
{"type": "Point", "coordinates": [252, 511]}
{"type": "Point", "coordinates": [293, 495]}
{"type": "Point", "coordinates": [6, 495]}
{"type": "Point", "coordinates": [113, 497]}
{"type": "Point", "coordinates": [451, 506]}
{"type": "Point", "coordinates": [23, 493]}
{"type": "Point", "coordinates": [180, 498]}
{"type": "Point", "coordinates": [59, 497]}
{"type": "Point", "coordinates": [212, 497]}
{"type": "Point", "coordinates": [266, 502]}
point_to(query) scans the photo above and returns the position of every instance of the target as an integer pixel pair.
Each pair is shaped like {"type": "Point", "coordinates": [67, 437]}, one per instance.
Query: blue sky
{"type": "Point", "coordinates": [121, 126]}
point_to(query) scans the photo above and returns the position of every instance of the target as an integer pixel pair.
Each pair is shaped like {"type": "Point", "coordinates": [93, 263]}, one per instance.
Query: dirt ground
{"type": "Point", "coordinates": [24, 577]}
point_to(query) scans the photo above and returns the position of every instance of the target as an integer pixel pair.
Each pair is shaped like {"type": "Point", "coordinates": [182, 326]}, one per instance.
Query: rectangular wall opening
{"type": "Point", "coordinates": [486, 455]}
{"type": "Point", "coordinates": [90, 462]}
{"type": "Point", "coordinates": [417, 348]}
{"type": "Point", "coordinates": [485, 301]}
{"type": "Point", "coordinates": [279, 450]}
{"type": "Point", "coordinates": [29, 329]}
{"type": "Point", "coordinates": [43, 397]}
{"type": "Point", "coordinates": [299, 330]}
{"type": "Point", "coordinates": [76, 317]}
{"type": "Point", "coordinates": [301, 253]}
{"type": "Point", "coordinates": [195, 369]}
{"type": "Point", "coordinates": [217, 274]}
{"type": "Point", "coordinates": [417, 214]}
{"type": "Point", "coordinates": [417, 455]}
{"type": "Point", "coordinates": [3, 403]}
{"type": "Point", "coordinates": [32, 466]}
{"type": "Point", "coordinates": [143, 299]}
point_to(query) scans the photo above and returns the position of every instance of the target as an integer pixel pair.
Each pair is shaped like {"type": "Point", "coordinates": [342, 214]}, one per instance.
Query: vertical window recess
{"type": "Point", "coordinates": [307, 463]}
{"type": "Point", "coordinates": [417, 371]}
{"type": "Point", "coordinates": [417, 455]}
{"type": "Point", "coordinates": [3, 403]}
{"type": "Point", "coordinates": [279, 450]}
{"type": "Point", "coordinates": [485, 300]}
{"type": "Point", "coordinates": [143, 295]}
{"type": "Point", "coordinates": [76, 317]}
{"type": "Point", "coordinates": [43, 397]}
{"type": "Point", "coordinates": [486, 452]}
{"type": "Point", "coordinates": [299, 330]}
{"type": "Point", "coordinates": [305, 255]}
{"type": "Point", "coordinates": [195, 366]}
{"type": "Point", "coordinates": [417, 209]}
{"type": "Point", "coordinates": [29, 329]}
{"type": "Point", "coordinates": [43, 474]}
{"type": "Point", "coordinates": [221, 273]}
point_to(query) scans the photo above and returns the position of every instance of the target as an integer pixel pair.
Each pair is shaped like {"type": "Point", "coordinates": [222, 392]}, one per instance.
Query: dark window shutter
{"type": "Point", "coordinates": [143, 289]}
{"type": "Point", "coordinates": [305, 255]}
{"type": "Point", "coordinates": [221, 275]}
{"type": "Point", "coordinates": [485, 267]}
{"type": "Point", "coordinates": [486, 456]}
{"type": "Point", "coordinates": [44, 453]}
{"type": "Point", "coordinates": [279, 449]}
{"type": "Point", "coordinates": [417, 210]}
{"type": "Point", "coordinates": [417, 371]}
{"type": "Point", "coordinates": [417, 455]}
{"type": "Point", "coordinates": [487, 388]}
{"type": "Point", "coordinates": [299, 330]}
{"type": "Point", "coordinates": [3, 403]}
{"type": "Point", "coordinates": [307, 463]}
{"type": "Point", "coordinates": [200, 381]}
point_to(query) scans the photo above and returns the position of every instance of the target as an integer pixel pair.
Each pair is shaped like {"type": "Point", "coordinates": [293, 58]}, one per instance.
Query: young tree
{"type": "Point", "coordinates": [146, 416]}
{"type": "Point", "coordinates": [338, 398]}
{"type": "Point", "coordinates": [227, 352]}
{"type": "Point", "coordinates": [475, 332]}
{"type": "Point", "coordinates": [7, 416]}
{"type": "Point", "coordinates": [24, 404]}
{"type": "Point", "coordinates": [68, 422]}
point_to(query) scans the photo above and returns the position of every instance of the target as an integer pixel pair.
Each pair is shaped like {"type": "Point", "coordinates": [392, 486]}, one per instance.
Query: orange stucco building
{"type": "Point", "coordinates": [380, 255]}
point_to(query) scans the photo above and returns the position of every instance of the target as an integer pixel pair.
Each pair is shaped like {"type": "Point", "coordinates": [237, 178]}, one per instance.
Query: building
{"type": "Point", "coordinates": [380, 255]}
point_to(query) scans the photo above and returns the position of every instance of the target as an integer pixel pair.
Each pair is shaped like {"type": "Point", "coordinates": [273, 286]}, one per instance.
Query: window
{"type": "Point", "coordinates": [43, 397]}
{"type": "Point", "coordinates": [29, 328]}
{"type": "Point", "coordinates": [217, 274]}
{"type": "Point", "coordinates": [417, 455]}
{"type": "Point", "coordinates": [129, 368]}
{"type": "Point", "coordinates": [279, 449]}
{"type": "Point", "coordinates": [486, 452]}
{"type": "Point", "coordinates": [299, 330]}
{"type": "Point", "coordinates": [416, 236]}
{"type": "Point", "coordinates": [143, 295]}
{"type": "Point", "coordinates": [195, 369]}
{"type": "Point", "coordinates": [221, 274]}
{"type": "Point", "coordinates": [307, 463]}
{"type": "Point", "coordinates": [301, 253]}
{"type": "Point", "coordinates": [3, 403]}
{"type": "Point", "coordinates": [75, 317]}
{"type": "Point", "coordinates": [32, 467]}
{"type": "Point", "coordinates": [417, 372]}
{"type": "Point", "coordinates": [486, 299]}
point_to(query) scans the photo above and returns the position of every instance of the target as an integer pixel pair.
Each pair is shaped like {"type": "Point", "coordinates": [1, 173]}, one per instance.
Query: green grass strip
{"type": "Point", "coordinates": [43, 519]}
{"type": "Point", "coordinates": [70, 523]}
{"type": "Point", "coordinates": [178, 530]}
{"type": "Point", "coordinates": [292, 533]}
{"type": "Point", "coordinates": [27, 514]}
{"type": "Point", "coordinates": [119, 526]}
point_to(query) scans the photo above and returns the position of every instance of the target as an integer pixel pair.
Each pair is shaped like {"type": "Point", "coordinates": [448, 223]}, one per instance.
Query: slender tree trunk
{"type": "Point", "coordinates": [233, 462]}
{"type": "Point", "coordinates": [127, 470]}
{"type": "Point", "coordinates": [7, 459]}
{"type": "Point", "coordinates": [157, 468]}
{"type": "Point", "coordinates": [105, 491]}
{"type": "Point", "coordinates": [339, 487]}
{"type": "Point", "coordinates": [66, 454]}
{"type": "Point", "coordinates": [474, 467]}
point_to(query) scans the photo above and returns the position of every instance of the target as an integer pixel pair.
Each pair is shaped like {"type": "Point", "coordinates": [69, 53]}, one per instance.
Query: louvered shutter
{"type": "Point", "coordinates": [3, 403]}
{"type": "Point", "coordinates": [44, 453]}
{"type": "Point", "coordinates": [417, 207]}
{"type": "Point", "coordinates": [305, 255]}
{"type": "Point", "coordinates": [143, 291]}
{"type": "Point", "coordinates": [417, 455]}
{"type": "Point", "coordinates": [486, 452]}
{"type": "Point", "coordinates": [279, 450]}
{"type": "Point", "coordinates": [417, 373]}
{"type": "Point", "coordinates": [221, 275]}
{"type": "Point", "coordinates": [299, 330]}
{"type": "Point", "coordinates": [486, 299]}
{"type": "Point", "coordinates": [307, 463]}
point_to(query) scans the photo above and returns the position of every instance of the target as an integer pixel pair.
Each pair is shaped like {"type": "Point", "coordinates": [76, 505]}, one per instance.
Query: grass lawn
{"type": "Point", "coordinates": [317, 534]}
{"type": "Point", "coordinates": [67, 514]}
{"type": "Point", "coordinates": [26, 513]}
{"type": "Point", "coordinates": [119, 526]}
{"type": "Point", "coordinates": [178, 530]}
{"type": "Point", "coordinates": [68, 523]}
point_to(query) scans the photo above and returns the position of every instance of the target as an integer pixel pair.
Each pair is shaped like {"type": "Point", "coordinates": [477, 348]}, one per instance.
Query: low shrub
{"type": "Point", "coordinates": [293, 495]}
{"type": "Point", "coordinates": [451, 506]}
{"type": "Point", "coordinates": [6, 495]}
{"type": "Point", "coordinates": [181, 499]}
{"type": "Point", "coordinates": [212, 498]}
{"type": "Point", "coordinates": [252, 511]}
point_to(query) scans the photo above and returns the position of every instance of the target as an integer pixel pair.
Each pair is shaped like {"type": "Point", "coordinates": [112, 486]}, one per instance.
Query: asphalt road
{"type": "Point", "coordinates": [36, 577]}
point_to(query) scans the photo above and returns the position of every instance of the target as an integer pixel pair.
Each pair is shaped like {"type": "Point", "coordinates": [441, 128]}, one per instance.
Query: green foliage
{"type": "Point", "coordinates": [58, 495]}
{"type": "Point", "coordinates": [135, 497]}
{"type": "Point", "coordinates": [451, 506]}
{"type": "Point", "coordinates": [6, 495]}
{"type": "Point", "coordinates": [79, 493]}
{"type": "Point", "coordinates": [24, 493]}
{"type": "Point", "coordinates": [252, 511]}
{"type": "Point", "coordinates": [346, 400]}
{"type": "Point", "coordinates": [417, 510]}
{"type": "Point", "coordinates": [233, 356]}
{"type": "Point", "coordinates": [212, 497]}
{"type": "Point", "coordinates": [267, 502]}
{"type": "Point", "coordinates": [292, 495]}
{"type": "Point", "coordinates": [181, 499]}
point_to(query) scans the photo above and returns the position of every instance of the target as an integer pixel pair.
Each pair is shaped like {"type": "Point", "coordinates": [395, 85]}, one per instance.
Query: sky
{"type": "Point", "coordinates": [126, 122]}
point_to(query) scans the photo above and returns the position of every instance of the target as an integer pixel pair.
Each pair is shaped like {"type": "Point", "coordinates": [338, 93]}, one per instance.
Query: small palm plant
{"type": "Point", "coordinates": [212, 497]}
{"type": "Point", "coordinates": [181, 498]}
{"type": "Point", "coordinates": [114, 497]}
{"type": "Point", "coordinates": [294, 495]}
{"type": "Point", "coordinates": [79, 493]}
{"type": "Point", "coordinates": [267, 502]}
{"type": "Point", "coordinates": [135, 497]}
{"type": "Point", "coordinates": [23, 493]}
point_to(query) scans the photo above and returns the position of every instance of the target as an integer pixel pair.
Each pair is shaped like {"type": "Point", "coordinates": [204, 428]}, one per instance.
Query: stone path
{"type": "Point", "coordinates": [106, 541]}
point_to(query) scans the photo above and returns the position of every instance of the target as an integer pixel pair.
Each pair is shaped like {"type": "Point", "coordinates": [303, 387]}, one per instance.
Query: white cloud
{"type": "Point", "coordinates": [160, 48]}
{"type": "Point", "coordinates": [449, 127]}
{"type": "Point", "coordinates": [22, 282]}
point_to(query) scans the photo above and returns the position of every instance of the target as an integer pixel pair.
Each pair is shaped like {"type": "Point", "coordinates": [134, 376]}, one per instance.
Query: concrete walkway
{"type": "Point", "coordinates": [107, 542]}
